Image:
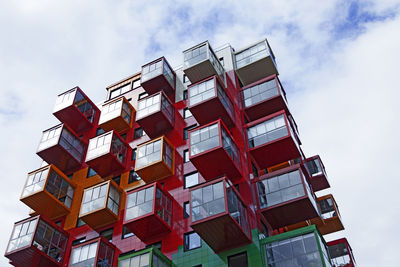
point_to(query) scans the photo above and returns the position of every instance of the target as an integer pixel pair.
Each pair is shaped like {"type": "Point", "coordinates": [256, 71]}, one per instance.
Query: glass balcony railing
{"type": "Point", "coordinates": [255, 62]}
{"type": "Point", "coordinates": [155, 155]}
{"type": "Point", "coordinates": [155, 114]}
{"type": "Point", "coordinates": [267, 131]}
{"type": "Point", "coordinates": [150, 257]}
{"type": "Point", "coordinates": [157, 68]}
{"type": "Point", "coordinates": [200, 62]}
{"type": "Point", "coordinates": [209, 95]}
{"type": "Point", "coordinates": [341, 253]}
{"type": "Point", "coordinates": [48, 191]}
{"type": "Point", "coordinates": [36, 237]}
{"type": "Point", "coordinates": [117, 115]}
{"type": "Point", "coordinates": [217, 205]}
{"type": "Point", "coordinates": [316, 171]}
{"type": "Point", "coordinates": [100, 204]}
{"type": "Point", "coordinates": [61, 147]}
{"type": "Point", "coordinates": [97, 252]}
{"type": "Point", "coordinates": [328, 207]}
{"type": "Point", "coordinates": [74, 108]}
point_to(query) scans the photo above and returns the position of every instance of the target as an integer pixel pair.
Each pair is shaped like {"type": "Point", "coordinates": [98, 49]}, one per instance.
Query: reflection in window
{"type": "Point", "coordinates": [260, 92]}
{"type": "Point", "coordinates": [95, 198]}
{"type": "Point", "coordinates": [204, 139]}
{"type": "Point", "coordinates": [191, 179]}
{"type": "Point", "coordinates": [148, 154]}
{"type": "Point", "coordinates": [84, 255]}
{"type": "Point", "coordinates": [327, 208]}
{"type": "Point", "coordinates": [208, 201]}
{"type": "Point", "coordinates": [201, 92]}
{"type": "Point", "coordinates": [22, 235]}
{"type": "Point", "coordinates": [314, 167]}
{"type": "Point", "coordinates": [297, 251]}
{"type": "Point", "coordinates": [267, 131]}
{"type": "Point", "coordinates": [107, 143]}
{"type": "Point", "coordinates": [279, 189]}
{"type": "Point", "coordinates": [139, 203]}
{"type": "Point", "coordinates": [142, 260]}
{"type": "Point", "coordinates": [339, 254]}
{"type": "Point", "coordinates": [251, 54]}
{"type": "Point", "coordinates": [191, 241]}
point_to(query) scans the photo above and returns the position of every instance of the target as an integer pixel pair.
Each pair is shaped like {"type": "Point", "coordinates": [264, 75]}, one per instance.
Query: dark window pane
{"type": "Point", "coordinates": [91, 172]}
{"type": "Point", "coordinates": [238, 260]}
{"type": "Point", "coordinates": [186, 209]}
{"type": "Point", "coordinates": [138, 133]}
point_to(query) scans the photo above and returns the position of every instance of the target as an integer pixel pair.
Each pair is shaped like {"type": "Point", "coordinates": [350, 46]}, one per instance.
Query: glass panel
{"type": "Point", "coordinates": [50, 137]}
{"type": "Point", "coordinates": [194, 56]}
{"type": "Point", "coordinates": [84, 106]}
{"type": "Point", "coordinates": [204, 139]}
{"type": "Point", "coordinates": [327, 208]}
{"type": "Point", "coordinates": [168, 155]}
{"type": "Point", "coordinates": [267, 131]}
{"type": "Point", "coordinates": [230, 147]}
{"type": "Point", "coordinates": [260, 92]}
{"type": "Point", "coordinates": [35, 182]}
{"type": "Point", "coordinates": [22, 235]}
{"type": "Point", "coordinates": [339, 254]}
{"type": "Point", "coordinates": [163, 206]}
{"type": "Point", "coordinates": [84, 256]}
{"type": "Point", "coordinates": [291, 252]}
{"type": "Point", "coordinates": [225, 100]}
{"type": "Point", "coordinates": [94, 199]}
{"type": "Point", "coordinates": [148, 154]}
{"type": "Point", "coordinates": [60, 188]}
{"type": "Point", "coordinates": [237, 210]}
{"type": "Point", "coordinates": [118, 149]}
{"type": "Point", "coordinates": [110, 111]}
{"type": "Point", "coordinates": [208, 201]}
{"type": "Point", "coordinates": [72, 144]}
{"type": "Point", "coordinates": [202, 92]}
{"type": "Point", "coordinates": [151, 70]}
{"type": "Point", "coordinates": [65, 100]}
{"type": "Point", "coordinates": [314, 167]}
{"type": "Point", "coordinates": [169, 75]}
{"type": "Point", "coordinates": [105, 255]}
{"type": "Point", "coordinates": [99, 145]}
{"type": "Point", "coordinates": [148, 105]}
{"type": "Point", "coordinates": [139, 203]}
{"type": "Point", "coordinates": [127, 113]}
{"type": "Point", "coordinates": [113, 200]}
{"type": "Point", "coordinates": [251, 54]}
{"type": "Point", "coordinates": [167, 109]}
{"type": "Point", "coordinates": [281, 188]}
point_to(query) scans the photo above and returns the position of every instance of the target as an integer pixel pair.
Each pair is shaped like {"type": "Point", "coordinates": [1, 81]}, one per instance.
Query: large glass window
{"type": "Point", "coordinates": [84, 106]}
{"type": "Point", "coordinates": [35, 182]}
{"type": "Point", "coordinates": [226, 102]}
{"type": "Point", "coordinates": [191, 179]}
{"type": "Point", "coordinates": [339, 254]}
{"type": "Point", "coordinates": [107, 143]}
{"type": "Point", "coordinates": [201, 92]}
{"type": "Point", "coordinates": [50, 137]}
{"type": "Point", "coordinates": [148, 154]}
{"type": "Point", "coordinates": [111, 110]}
{"type": "Point", "coordinates": [314, 167]}
{"type": "Point", "coordinates": [327, 208]}
{"type": "Point", "coordinates": [113, 201]}
{"type": "Point", "coordinates": [151, 70]}
{"type": "Point", "coordinates": [230, 146]}
{"type": "Point", "coordinates": [297, 251]}
{"type": "Point", "coordinates": [204, 139]}
{"type": "Point", "coordinates": [136, 261]}
{"type": "Point", "coordinates": [260, 92]}
{"type": "Point", "coordinates": [84, 255]}
{"type": "Point", "coordinates": [127, 112]}
{"type": "Point", "coordinates": [237, 210]}
{"type": "Point", "coordinates": [169, 75]}
{"type": "Point", "coordinates": [148, 106]}
{"type": "Point", "coordinates": [139, 203]}
{"type": "Point", "coordinates": [121, 90]}
{"type": "Point", "coordinates": [279, 189]}
{"type": "Point", "coordinates": [60, 188]}
{"type": "Point", "coordinates": [194, 56]}
{"type": "Point", "coordinates": [208, 201]}
{"type": "Point", "coordinates": [72, 144]}
{"type": "Point", "coordinates": [267, 131]}
{"type": "Point", "coordinates": [163, 206]}
{"type": "Point", "coordinates": [22, 235]}
{"type": "Point", "coordinates": [191, 241]}
{"type": "Point", "coordinates": [95, 198]}
{"type": "Point", "coordinates": [251, 54]}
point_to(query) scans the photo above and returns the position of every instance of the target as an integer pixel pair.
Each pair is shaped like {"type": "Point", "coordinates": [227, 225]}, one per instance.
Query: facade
{"type": "Point", "coordinates": [200, 165]}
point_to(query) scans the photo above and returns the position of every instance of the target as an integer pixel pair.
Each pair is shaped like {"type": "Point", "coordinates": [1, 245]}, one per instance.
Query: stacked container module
{"type": "Point", "coordinates": [200, 165]}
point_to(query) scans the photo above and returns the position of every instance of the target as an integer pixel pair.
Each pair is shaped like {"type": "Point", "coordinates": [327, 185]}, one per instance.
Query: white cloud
{"type": "Point", "coordinates": [342, 91]}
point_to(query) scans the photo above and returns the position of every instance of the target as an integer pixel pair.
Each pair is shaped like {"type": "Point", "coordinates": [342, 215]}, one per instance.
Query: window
{"type": "Point", "coordinates": [238, 260]}
{"type": "Point", "coordinates": [120, 90]}
{"type": "Point", "coordinates": [78, 241]}
{"type": "Point", "coordinates": [186, 131]}
{"type": "Point", "coordinates": [191, 241]}
{"type": "Point", "coordinates": [117, 179]}
{"type": "Point", "coordinates": [90, 173]}
{"type": "Point", "coordinates": [186, 210]}
{"type": "Point", "coordinates": [133, 155]}
{"type": "Point", "coordinates": [185, 94]}
{"type": "Point", "coordinates": [138, 133]}
{"type": "Point", "coordinates": [221, 59]}
{"type": "Point", "coordinates": [185, 78]}
{"type": "Point", "coordinates": [186, 155]}
{"type": "Point", "coordinates": [187, 113]}
{"type": "Point", "coordinates": [133, 176]}
{"type": "Point", "coordinates": [191, 179]}
{"type": "Point", "coordinates": [126, 232]}
{"type": "Point", "coordinates": [84, 256]}
{"type": "Point", "coordinates": [136, 83]}
{"type": "Point", "coordinates": [108, 234]}
{"type": "Point", "coordinates": [99, 131]}
{"type": "Point", "coordinates": [208, 201]}
{"type": "Point", "coordinates": [267, 131]}
{"type": "Point", "coordinates": [254, 169]}
{"type": "Point", "coordinates": [142, 95]}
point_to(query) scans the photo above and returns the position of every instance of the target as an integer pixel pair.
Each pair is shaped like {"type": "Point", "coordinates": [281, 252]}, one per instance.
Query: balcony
{"type": "Point", "coordinates": [272, 141]}
{"type": "Point", "coordinates": [76, 110]}
{"type": "Point", "coordinates": [100, 205]}
{"type": "Point", "coordinates": [155, 114]}
{"type": "Point", "coordinates": [316, 170]}
{"type": "Point", "coordinates": [158, 75]}
{"type": "Point", "coordinates": [263, 98]}
{"type": "Point", "coordinates": [149, 257]}
{"type": "Point", "coordinates": [208, 102]}
{"type": "Point", "coordinates": [200, 62]}
{"type": "Point", "coordinates": [213, 152]}
{"type": "Point", "coordinates": [49, 192]}
{"type": "Point", "coordinates": [304, 247]}
{"type": "Point", "coordinates": [117, 114]}
{"type": "Point", "coordinates": [61, 147]}
{"type": "Point", "coordinates": [95, 252]}
{"type": "Point", "coordinates": [219, 216]}
{"type": "Point", "coordinates": [331, 220]}
{"type": "Point", "coordinates": [148, 212]}
{"type": "Point", "coordinates": [285, 198]}
{"type": "Point", "coordinates": [107, 154]}
{"type": "Point", "coordinates": [341, 253]}
{"type": "Point", "coordinates": [255, 62]}
{"type": "Point", "coordinates": [37, 242]}
{"type": "Point", "coordinates": [155, 160]}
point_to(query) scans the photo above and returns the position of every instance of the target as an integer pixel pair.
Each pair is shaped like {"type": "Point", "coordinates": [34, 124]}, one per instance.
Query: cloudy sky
{"type": "Point", "coordinates": [338, 61]}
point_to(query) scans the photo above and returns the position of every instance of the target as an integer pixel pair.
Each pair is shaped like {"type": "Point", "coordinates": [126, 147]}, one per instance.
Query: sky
{"type": "Point", "coordinates": [338, 62]}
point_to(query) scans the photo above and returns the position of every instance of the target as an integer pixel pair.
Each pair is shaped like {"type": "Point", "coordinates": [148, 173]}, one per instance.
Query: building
{"type": "Point", "coordinates": [195, 166]}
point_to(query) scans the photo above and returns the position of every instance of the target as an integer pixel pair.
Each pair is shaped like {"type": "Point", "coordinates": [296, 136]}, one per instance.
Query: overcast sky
{"type": "Point", "coordinates": [338, 62]}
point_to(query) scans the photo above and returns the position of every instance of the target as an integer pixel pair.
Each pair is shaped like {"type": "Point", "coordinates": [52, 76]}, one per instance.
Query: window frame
{"type": "Point", "coordinates": [186, 238]}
